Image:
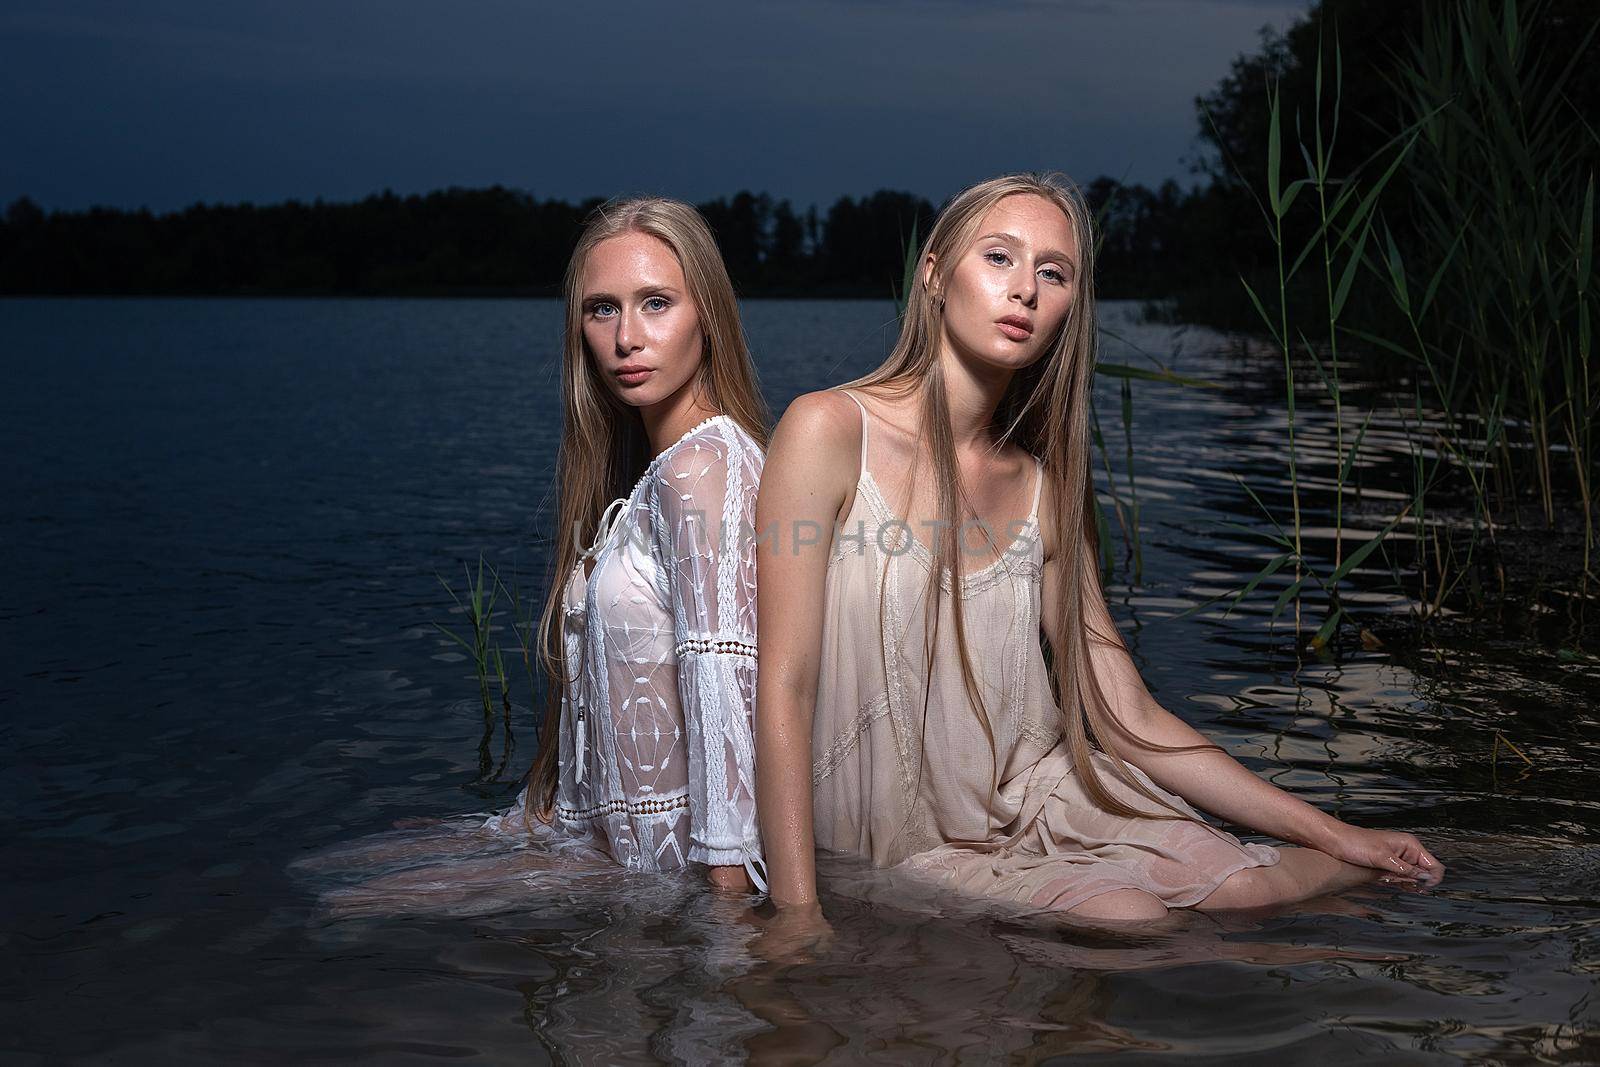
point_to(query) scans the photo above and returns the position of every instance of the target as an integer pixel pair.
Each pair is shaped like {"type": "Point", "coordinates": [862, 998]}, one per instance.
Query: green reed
{"type": "Point", "coordinates": [1467, 446]}
{"type": "Point", "coordinates": [1497, 327]}
{"type": "Point", "coordinates": [477, 604]}
{"type": "Point", "coordinates": [1344, 221]}
{"type": "Point", "coordinates": [1503, 213]}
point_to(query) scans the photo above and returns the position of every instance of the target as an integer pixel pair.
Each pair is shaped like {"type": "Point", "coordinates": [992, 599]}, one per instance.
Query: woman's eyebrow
{"type": "Point", "coordinates": [643, 290]}
{"type": "Point", "coordinates": [1048, 253]}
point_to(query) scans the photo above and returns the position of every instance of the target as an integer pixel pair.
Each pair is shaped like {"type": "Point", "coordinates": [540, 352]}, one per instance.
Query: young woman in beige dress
{"type": "Point", "coordinates": [931, 521]}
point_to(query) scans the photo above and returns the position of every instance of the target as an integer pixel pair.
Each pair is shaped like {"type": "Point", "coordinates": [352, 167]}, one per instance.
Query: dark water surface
{"type": "Point", "coordinates": [222, 523]}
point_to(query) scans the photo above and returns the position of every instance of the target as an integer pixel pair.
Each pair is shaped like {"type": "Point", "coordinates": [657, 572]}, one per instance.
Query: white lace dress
{"type": "Point", "coordinates": [657, 756]}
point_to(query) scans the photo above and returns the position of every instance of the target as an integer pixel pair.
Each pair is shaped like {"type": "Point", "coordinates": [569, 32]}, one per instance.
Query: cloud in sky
{"type": "Point", "coordinates": [171, 101]}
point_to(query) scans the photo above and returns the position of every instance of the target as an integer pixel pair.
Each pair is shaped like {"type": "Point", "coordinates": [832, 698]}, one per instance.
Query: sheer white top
{"type": "Point", "coordinates": [657, 754]}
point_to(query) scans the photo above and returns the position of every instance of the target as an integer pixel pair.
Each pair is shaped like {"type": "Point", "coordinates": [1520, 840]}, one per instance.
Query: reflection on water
{"type": "Point", "coordinates": [224, 688]}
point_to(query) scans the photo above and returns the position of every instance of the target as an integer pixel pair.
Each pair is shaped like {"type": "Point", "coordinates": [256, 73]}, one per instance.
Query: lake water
{"type": "Point", "coordinates": [222, 526]}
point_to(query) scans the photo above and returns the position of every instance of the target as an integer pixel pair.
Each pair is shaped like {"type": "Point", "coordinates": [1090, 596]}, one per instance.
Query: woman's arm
{"type": "Point", "coordinates": [810, 471]}
{"type": "Point", "coordinates": [1209, 778]}
{"type": "Point", "coordinates": [704, 499]}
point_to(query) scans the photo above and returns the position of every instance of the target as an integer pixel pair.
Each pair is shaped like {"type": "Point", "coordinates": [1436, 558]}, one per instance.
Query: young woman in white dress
{"type": "Point", "coordinates": [649, 629]}
{"type": "Point", "coordinates": [910, 713]}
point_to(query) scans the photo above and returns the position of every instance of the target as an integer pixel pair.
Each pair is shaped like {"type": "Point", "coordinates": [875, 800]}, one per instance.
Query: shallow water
{"type": "Point", "coordinates": [222, 523]}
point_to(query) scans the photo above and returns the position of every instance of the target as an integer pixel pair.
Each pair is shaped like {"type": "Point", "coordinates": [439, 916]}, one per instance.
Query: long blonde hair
{"type": "Point", "coordinates": [1045, 412]}
{"type": "Point", "coordinates": [603, 444]}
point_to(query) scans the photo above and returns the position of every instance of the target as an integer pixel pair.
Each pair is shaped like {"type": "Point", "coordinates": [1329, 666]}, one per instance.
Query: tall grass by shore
{"type": "Point", "coordinates": [1499, 289]}
{"type": "Point", "coordinates": [1475, 224]}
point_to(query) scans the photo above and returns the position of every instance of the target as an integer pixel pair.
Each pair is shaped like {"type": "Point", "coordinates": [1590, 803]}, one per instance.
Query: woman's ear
{"type": "Point", "coordinates": [935, 297]}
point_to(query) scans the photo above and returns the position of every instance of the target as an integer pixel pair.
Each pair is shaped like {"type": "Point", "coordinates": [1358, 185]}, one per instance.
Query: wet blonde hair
{"type": "Point", "coordinates": [1046, 412]}
{"type": "Point", "coordinates": [603, 444]}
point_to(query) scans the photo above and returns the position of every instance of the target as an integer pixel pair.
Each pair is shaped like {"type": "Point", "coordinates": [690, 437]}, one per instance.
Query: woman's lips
{"type": "Point", "coordinates": [1017, 329]}
{"type": "Point", "coordinates": [633, 375]}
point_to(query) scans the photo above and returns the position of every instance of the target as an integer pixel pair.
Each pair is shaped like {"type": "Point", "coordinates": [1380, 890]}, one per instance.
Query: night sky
{"type": "Point", "coordinates": [162, 103]}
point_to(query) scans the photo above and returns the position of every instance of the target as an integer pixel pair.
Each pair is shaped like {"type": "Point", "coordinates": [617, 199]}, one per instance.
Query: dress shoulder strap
{"type": "Point", "coordinates": [1038, 484]}
{"type": "Point", "coordinates": [863, 408]}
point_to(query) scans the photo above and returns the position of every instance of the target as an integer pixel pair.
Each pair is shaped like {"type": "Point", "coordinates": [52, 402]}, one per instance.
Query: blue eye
{"type": "Point", "coordinates": [997, 257]}
{"type": "Point", "coordinates": [656, 303]}
{"type": "Point", "coordinates": [1053, 274]}
{"type": "Point", "coordinates": [602, 310]}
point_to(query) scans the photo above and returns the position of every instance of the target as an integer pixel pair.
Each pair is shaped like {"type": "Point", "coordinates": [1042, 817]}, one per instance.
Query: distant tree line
{"type": "Point", "coordinates": [454, 241]}
{"type": "Point", "coordinates": [498, 240]}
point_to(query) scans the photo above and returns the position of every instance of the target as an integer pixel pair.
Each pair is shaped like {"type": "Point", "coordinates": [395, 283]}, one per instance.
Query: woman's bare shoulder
{"type": "Point", "coordinates": [826, 419]}
{"type": "Point", "coordinates": [819, 435]}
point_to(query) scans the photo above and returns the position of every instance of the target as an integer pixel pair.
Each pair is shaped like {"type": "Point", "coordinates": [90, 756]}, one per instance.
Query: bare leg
{"type": "Point", "coordinates": [1124, 905]}
{"type": "Point", "coordinates": [1299, 874]}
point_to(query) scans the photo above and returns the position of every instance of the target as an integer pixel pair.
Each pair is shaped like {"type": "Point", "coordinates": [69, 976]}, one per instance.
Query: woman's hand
{"type": "Point", "coordinates": [1399, 855]}
{"type": "Point", "coordinates": [798, 933]}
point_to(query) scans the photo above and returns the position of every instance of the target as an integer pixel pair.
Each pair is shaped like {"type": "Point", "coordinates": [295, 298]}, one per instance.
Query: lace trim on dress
{"type": "Point", "coordinates": [849, 737]}
{"type": "Point", "coordinates": [1040, 734]}
{"type": "Point", "coordinates": [706, 646]}
{"type": "Point", "coordinates": [1010, 563]}
{"type": "Point", "coordinates": [649, 806]}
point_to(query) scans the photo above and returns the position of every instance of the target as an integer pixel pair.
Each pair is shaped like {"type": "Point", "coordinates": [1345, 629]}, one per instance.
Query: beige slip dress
{"type": "Point", "coordinates": [1008, 820]}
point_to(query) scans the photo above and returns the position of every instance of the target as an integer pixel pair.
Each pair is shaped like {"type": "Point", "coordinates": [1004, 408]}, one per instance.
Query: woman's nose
{"type": "Point", "coordinates": [629, 337]}
{"type": "Point", "coordinates": [1025, 288]}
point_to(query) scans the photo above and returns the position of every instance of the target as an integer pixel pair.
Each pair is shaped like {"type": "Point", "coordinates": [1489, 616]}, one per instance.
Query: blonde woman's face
{"type": "Point", "coordinates": [1009, 291]}
{"type": "Point", "coordinates": [639, 325]}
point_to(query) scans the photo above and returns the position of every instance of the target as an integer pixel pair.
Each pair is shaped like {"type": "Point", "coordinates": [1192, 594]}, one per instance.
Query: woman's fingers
{"type": "Point", "coordinates": [1435, 870]}
{"type": "Point", "coordinates": [1399, 856]}
{"type": "Point", "coordinates": [1401, 866]}
{"type": "Point", "coordinates": [1429, 869]}
{"type": "Point", "coordinates": [1410, 860]}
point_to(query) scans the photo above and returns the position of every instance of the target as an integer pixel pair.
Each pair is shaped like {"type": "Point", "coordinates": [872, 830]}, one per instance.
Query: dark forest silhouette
{"type": "Point", "coordinates": [488, 241]}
